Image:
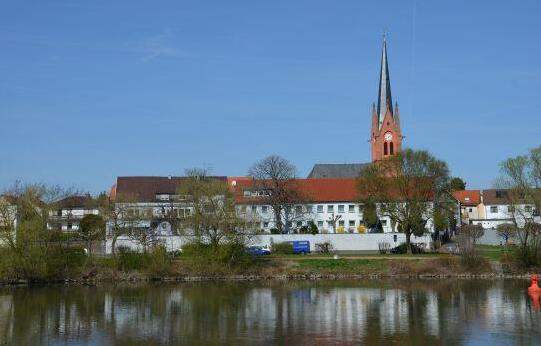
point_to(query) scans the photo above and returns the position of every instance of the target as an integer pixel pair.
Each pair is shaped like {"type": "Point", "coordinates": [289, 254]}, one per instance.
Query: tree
{"type": "Point", "coordinates": [370, 215]}
{"type": "Point", "coordinates": [457, 184]}
{"type": "Point", "coordinates": [276, 176]}
{"type": "Point", "coordinates": [522, 183]}
{"type": "Point", "coordinates": [213, 218]}
{"type": "Point", "coordinates": [407, 188]}
{"type": "Point", "coordinates": [91, 228]}
{"type": "Point", "coordinates": [121, 215]}
{"type": "Point", "coordinates": [469, 234]}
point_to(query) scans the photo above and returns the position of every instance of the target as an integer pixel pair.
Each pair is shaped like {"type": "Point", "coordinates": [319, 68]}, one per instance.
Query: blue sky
{"type": "Point", "coordinates": [90, 90]}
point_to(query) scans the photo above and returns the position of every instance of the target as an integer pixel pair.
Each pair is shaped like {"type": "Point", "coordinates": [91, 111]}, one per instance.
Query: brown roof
{"type": "Point", "coordinates": [468, 197]}
{"type": "Point", "coordinates": [501, 196]}
{"type": "Point", "coordinates": [145, 189]}
{"type": "Point", "coordinates": [74, 202]}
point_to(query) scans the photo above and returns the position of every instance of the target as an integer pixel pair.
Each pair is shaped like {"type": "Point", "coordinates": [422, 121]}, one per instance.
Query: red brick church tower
{"type": "Point", "coordinates": [386, 137]}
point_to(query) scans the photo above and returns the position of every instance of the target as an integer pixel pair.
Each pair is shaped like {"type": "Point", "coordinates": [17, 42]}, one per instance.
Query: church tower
{"type": "Point", "coordinates": [386, 137]}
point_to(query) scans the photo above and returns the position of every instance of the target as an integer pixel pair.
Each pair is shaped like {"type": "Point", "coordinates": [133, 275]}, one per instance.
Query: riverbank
{"type": "Point", "coordinates": [310, 267]}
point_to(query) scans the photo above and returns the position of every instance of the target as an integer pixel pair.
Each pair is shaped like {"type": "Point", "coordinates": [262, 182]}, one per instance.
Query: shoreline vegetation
{"type": "Point", "coordinates": [495, 262]}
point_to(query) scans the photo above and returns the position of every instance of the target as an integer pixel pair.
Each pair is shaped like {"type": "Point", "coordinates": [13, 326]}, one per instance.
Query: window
{"type": "Point", "coordinates": [265, 224]}
{"type": "Point", "coordinates": [385, 148]}
{"type": "Point", "coordinates": [309, 208]}
{"type": "Point", "coordinates": [351, 208]}
{"type": "Point", "coordinates": [320, 209]}
{"type": "Point", "coordinates": [467, 199]}
{"type": "Point", "coordinates": [243, 209]}
{"type": "Point", "coordinates": [254, 208]}
{"type": "Point", "coordinates": [264, 208]}
{"type": "Point", "coordinates": [470, 210]}
{"type": "Point", "coordinates": [320, 224]}
{"type": "Point", "coordinates": [341, 223]}
{"type": "Point", "coordinates": [510, 209]}
{"type": "Point", "coordinates": [59, 212]}
{"type": "Point", "coordinates": [330, 209]}
{"type": "Point", "coordinates": [299, 223]}
{"type": "Point", "coordinates": [384, 222]}
{"type": "Point", "coordinates": [163, 225]}
{"type": "Point", "coordinates": [341, 208]}
{"type": "Point", "coordinates": [501, 193]}
{"type": "Point", "coordinates": [298, 209]}
{"type": "Point", "coordinates": [351, 223]}
{"type": "Point", "coordinates": [70, 226]}
{"type": "Point", "coordinates": [494, 209]}
{"type": "Point", "coordinates": [391, 150]}
{"type": "Point", "coordinates": [528, 208]}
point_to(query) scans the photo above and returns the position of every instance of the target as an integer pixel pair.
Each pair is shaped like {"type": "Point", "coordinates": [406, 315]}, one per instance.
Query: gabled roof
{"type": "Point", "coordinates": [145, 188]}
{"type": "Point", "coordinates": [313, 190]}
{"type": "Point", "coordinates": [336, 170]}
{"type": "Point", "coordinates": [74, 202]}
{"type": "Point", "coordinates": [502, 197]}
{"type": "Point", "coordinates": [468, 197]}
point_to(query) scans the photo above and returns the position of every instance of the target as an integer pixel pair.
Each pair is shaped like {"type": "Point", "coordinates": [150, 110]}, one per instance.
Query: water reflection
{"type": "Point", "coordinates": [450, 312]}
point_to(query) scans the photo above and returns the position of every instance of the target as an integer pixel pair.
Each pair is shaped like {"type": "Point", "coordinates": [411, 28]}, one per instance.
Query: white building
{"type": "Point", "coordinates": [69, 212]}
{"type": "Point", "coordinates": [329, 203]}
{"type": "Point", "coordinates": [493, 207]}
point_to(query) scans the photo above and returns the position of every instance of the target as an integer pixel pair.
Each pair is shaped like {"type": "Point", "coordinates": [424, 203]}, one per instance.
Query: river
{"type": "Point", "coordinates": [416, 312]}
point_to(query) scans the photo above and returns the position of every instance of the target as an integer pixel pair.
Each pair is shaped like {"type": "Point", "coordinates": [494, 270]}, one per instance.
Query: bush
{"type": "Point", "coordinates": [274, 231]}
{"type": "Point", "coordinates": [128, 259]}
{"type": "Point", "coordinates": [229, 254]}
{"type": "Point", "coordinates": [304, 230]}
{"type": "Point", "coordinates": [402, 249]}
{"type": "Point", "coordinates": [284, 248]}
{"type": "Point", "coordinates": [325, 247]}
{"type": "Point", "coordinates": [313, 228]}
{"type": "Point", "coordinates": [473, 262]}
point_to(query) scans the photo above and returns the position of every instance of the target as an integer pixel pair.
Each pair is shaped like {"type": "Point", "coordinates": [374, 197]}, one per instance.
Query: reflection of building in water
{"type": "Point", "coordinates": [6, 318]}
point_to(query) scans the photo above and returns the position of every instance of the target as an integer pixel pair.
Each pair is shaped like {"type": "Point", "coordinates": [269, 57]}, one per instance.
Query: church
{"type": "Point", "coordinates": [385, 135]}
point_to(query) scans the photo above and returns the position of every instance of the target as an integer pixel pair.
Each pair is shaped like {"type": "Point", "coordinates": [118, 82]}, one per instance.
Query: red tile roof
{"type": "Point", "coordinates": [468, 197]}
{"type": "Point", "coordinates": [314, 190]}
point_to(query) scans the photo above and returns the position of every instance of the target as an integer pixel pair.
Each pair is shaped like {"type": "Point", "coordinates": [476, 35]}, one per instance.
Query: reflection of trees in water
{"type": "Point", "coordinates": [408, 311]}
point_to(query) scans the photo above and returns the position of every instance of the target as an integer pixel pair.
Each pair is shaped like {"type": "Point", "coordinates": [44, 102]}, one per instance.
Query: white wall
{"type": "Point", "coordinates": [340, 242]}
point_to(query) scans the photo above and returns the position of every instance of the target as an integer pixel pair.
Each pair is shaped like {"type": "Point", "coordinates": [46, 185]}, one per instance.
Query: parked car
{"type": "Point", "coordinates": [301, 247]}
{"type": "Point", "coordinates": [258, 251]}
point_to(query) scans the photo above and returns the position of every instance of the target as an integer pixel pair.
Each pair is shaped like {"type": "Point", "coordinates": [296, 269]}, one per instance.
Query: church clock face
{"type": "Point", "coordinates": [388, 136]}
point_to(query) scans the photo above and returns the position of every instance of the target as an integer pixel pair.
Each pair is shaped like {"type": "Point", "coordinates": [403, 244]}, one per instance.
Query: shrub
{"type": "Point", "coordinates": [304, 230]}
{"type": "Point", "coordinates": [128, 259]}
{"type": "Point", "coordinates": [158, 261]}
{"type": "Point", "coordinates": [325, 247]}
{"type": "Point", "coordinates": [284, 248]}
{"type": "Point", "coordinates": [229, 254]}
{"type": "Point", "coordinates": [274, 231]}
{"type": "Point", "coordinates": [313, 228]}
{"type": "Point", "coordinates": [402, 249]}
{"type": "Point", "coordinates": [473, 262]}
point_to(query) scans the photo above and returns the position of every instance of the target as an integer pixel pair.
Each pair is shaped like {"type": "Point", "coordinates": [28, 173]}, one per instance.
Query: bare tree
{"type": "Point", "coordinates": [213, 217]}
{"type": "Point", "coordinates": [122, 216]}
{"type": "Point", "coordinates": [522, 183]}
{"type": "Point", "coordinates": [469, 234]}
{"type": "Point", "coordinates": [276, 177]}
{"type": "Point", "coordinates": [407, 187]}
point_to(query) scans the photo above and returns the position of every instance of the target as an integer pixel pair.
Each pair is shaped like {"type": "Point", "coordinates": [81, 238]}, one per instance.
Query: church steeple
{"type": "Point", "coordinates": [386, 139]}
{"type": "Point", "coordinates": [385, 100]}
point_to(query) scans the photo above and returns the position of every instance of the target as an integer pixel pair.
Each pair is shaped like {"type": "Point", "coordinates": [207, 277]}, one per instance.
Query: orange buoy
{"type": "Point", "coordinates": [534, 287]}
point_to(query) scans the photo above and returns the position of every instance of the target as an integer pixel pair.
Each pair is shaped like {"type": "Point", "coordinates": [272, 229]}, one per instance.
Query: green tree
{"type": "Point", "coordinates": [407, 188]}
{"type": "Point", "coordinates": [522, 183]}
{"type": "Point", "coordinates": [91, 228]}
{"type": "Point", "coordinates": [457, 184]}
{"type": "Point", "coordinates": [370, 215]}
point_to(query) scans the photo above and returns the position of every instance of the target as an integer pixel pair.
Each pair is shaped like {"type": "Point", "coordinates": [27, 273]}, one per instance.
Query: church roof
{"type": "Point", "coordinates": [336, 170]}
{"type": "Point", "coordinates": [384, 93]}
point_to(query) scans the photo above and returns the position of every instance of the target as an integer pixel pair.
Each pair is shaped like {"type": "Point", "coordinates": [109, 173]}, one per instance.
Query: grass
{"type": "Point", "coordinates": [332, 266]}
{"type": "Point", "coordinates": [492, 252]}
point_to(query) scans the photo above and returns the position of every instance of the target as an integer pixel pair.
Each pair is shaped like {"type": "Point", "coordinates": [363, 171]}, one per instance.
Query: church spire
{"type": "Point", "coordinates": [385, 100]}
